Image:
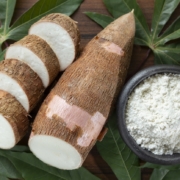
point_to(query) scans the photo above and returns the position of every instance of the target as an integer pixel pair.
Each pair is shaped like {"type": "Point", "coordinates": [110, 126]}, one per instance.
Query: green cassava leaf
{"type": "Point", "coordinates": [102, 20]}
{"type": "Point", "coordinates": [3, 177]}
{"type": "Point", "coordinates": [10, 5]}
{"type": "Point", "coordinates": [157, 166]}
{"type": "Point", "coordinates": [43, 7]}
{"type": "Point", "coordinates": [120, 7]}
{"type": "Point", "coordinates": [2, 53]}
{"type": "Point", "coordinates": [3, 4]}
{"type": "Point", "coordinates": [6, 13]}
{"type": "Point", "coordinates": [159, 174]}
{"type": "Point", "coordinates": [32, 168]}
{"type": "Point", "coordinates": [174, 175]}
{"type": "Point", "coordinates": [172, 32]}
{"type": "Point", "coordinates": [154, 39]}
{"type": "Point", "coordinates": [19, 148]}
{"type": "Point", "coordinates": [7, 169]}
{"type": "Point", "coordinates": [164, 174]}
{"type": "Point", "coordinates": [118, 156]}
{"type": "Point", "coordinates": [20, 28]}
{"type": "Point", "coordinates": [168, 54]}
{"type": "Point", "coordinates": [162, 12]}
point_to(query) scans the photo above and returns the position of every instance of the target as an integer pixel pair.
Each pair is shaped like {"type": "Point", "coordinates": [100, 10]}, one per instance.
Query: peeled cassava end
{"type": "Point", "coordinates": [13, 121]}
{"type": "Point", "coordinates": [18, 79]}
{"type": "Point", "coordinates": [55, 152]}
{"type": "Point", "coordinates": [69, 129]}
{"type": "Point", "coordinates": [38, 55]}
{"type": "Point", "coordinates": [61, 33]}
{"type": "Point", "coordinates": [7, 137]}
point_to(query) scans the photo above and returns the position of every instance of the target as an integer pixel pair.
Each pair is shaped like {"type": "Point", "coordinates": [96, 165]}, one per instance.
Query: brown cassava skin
{"type": "Point", "coordinates": [15, 114]}
{"type": "Point", "coordinates": [40, 48]}
{"type": "Point", "coordinates": [91, 83]}
{"type": "Point", "coordinates": [65, 22]}
{"type": "Point", "coordinates": [26, 78]}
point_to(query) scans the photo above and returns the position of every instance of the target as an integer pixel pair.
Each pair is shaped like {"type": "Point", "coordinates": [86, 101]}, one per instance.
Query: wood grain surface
{"type": "Point", "coordinates": [88, 30]}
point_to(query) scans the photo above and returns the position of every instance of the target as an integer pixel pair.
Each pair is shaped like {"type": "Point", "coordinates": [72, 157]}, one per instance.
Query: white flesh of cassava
{"type": "Point", "coordinates": [32, 60]}
{"type": "Point", "coordinates": [58, 39]}
{"type": "Point", "coordinates": [11, 86]}
{"type": "Point", "coordinates": [55, 152]}
{"type": "Point", "coordinates": [7, 137]}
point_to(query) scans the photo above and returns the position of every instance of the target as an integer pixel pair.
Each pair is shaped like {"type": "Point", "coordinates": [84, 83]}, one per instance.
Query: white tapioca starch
{"type": "Point", "coordinates": [153, 114]}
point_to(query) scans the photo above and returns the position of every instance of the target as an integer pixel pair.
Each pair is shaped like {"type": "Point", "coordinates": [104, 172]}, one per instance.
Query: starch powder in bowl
{"type": "Point", "coordinates": [149, 114]}
{"type": "Point", "coordinates": [153, 114]}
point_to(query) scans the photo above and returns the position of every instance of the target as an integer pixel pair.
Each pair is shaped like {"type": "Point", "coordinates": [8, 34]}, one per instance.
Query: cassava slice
{"type": "Point", "coordinates": [61, 33]}
{"type": "Point", "coordinates": [13, 121]}
{"type": "Point", "coordinates": [72, 116]}
{"type": "Point", "coordinates": [35, 52]}
{"type": "Point", "coordinates": [18, 79]}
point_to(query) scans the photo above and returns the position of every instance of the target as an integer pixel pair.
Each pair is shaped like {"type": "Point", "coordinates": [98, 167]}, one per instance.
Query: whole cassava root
{"type": "Point", "coordinates": [13, 121]}
{"type": "Point", "coordinates": [18, 79]}
{"type": "Point", "coordinates": [38, 55]}
{"type": "Point", "coordinates": [72, 116]}
{"type": "Point", "coordinates": [62, 35]}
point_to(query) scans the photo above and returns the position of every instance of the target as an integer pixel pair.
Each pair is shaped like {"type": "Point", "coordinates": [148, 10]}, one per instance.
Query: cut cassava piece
{"type": "Point", "coordinates": [18, 79]}
{"type": "Point", "coordinates": [38, 55]}
{"type": "Point", "coordinates": [61, 33]}
{"type": "Point", "coordinates": [72, 116]}
{"type": "Point", "coordinates": [13, 121]}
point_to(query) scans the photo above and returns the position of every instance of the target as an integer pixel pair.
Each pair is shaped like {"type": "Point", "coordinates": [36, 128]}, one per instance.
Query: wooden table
{"type": "Point", "coordinates": [89, 29]}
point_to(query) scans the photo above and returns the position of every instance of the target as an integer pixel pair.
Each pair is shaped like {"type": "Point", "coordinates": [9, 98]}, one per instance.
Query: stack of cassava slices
{"type": "Point", "coordinates": [30, 65]}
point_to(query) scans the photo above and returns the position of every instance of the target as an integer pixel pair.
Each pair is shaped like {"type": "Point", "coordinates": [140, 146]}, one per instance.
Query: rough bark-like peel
{"type": "Point", "coordinates": [88, 88]}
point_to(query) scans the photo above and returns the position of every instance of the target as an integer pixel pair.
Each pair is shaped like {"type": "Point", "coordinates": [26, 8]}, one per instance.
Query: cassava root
{"type": "Point", "coordinates": [72, 116]}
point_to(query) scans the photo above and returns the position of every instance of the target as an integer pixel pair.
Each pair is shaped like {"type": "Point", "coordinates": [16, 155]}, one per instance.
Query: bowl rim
{"type": "Point", "coordinates": [121, 107]}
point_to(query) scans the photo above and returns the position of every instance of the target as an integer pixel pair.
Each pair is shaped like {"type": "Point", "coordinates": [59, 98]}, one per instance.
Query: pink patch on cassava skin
{"type": "Point", "coordinates": [74, 116]}
{"type": "Point", "coordinates": [111, 47]}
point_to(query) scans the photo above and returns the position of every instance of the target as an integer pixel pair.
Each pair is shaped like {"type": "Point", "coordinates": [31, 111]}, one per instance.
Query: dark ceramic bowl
{"type": "Point", "coordinates": [121, 108]}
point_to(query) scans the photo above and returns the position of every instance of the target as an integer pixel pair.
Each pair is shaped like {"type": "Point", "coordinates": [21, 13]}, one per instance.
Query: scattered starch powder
{"type": "Point", "coordinates": [153, 114]}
